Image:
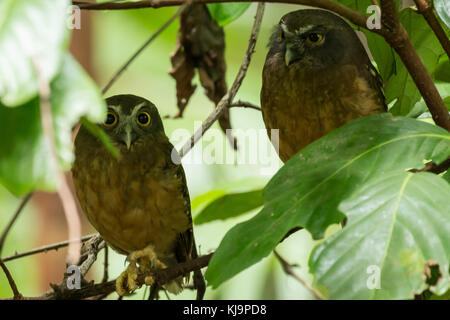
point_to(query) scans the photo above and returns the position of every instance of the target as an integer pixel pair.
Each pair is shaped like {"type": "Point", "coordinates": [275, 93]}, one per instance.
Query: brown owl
{"type": "Point", "coordinates": [138, 202]}
{"type": "Point", "coordinates": [317, 77]}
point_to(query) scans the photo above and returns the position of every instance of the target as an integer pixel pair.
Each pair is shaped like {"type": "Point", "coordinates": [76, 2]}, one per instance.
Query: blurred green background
{"type": "Point", "coordinates": [113, 37]}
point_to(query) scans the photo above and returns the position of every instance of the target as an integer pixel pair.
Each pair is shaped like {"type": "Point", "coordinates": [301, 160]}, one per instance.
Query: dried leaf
{"type": "Point", "coordinates": [200, 45]}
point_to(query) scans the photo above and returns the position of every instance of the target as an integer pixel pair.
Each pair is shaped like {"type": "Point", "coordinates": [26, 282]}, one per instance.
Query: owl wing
{"type": "Point", "coordinates": [376, 82]}
{"type": "Point", "coordinates": [185, 241]}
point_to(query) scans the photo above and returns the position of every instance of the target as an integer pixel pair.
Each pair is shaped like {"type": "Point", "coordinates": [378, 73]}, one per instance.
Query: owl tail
{"type": "Point", "coordinates": [175, 286]}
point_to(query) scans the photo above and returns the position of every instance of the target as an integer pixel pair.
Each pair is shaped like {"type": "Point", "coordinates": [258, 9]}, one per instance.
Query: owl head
{"type": "Point", "coordinates": [316, 38]}
{"type": "Point", "coordinates": [130, 118]}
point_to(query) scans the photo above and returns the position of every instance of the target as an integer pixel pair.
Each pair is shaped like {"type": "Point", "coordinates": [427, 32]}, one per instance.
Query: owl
{"type": "Point", "coordinates": [317, 76]}
{"type": "Point", "coordinates": [139, 201]}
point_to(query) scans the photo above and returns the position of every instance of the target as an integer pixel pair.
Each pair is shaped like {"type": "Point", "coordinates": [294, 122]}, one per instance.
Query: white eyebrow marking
{"type": "Point", "coordinates": [304, 29]}
{"type": "Point", "coordinates": [115, 108]}
{"type": "Point", "coordinates": [285, 29]}
{"type": "Point", "coordinates": [136, 109]}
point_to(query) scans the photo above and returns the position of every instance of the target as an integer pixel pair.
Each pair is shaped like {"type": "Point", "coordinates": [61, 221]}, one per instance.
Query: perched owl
{"type": "Point", "coordinates": [317, 77]}
{"type": "Point", "coordinates": [138, 202]}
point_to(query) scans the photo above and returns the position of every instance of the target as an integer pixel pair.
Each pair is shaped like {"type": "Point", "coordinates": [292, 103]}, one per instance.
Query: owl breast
{"type": "Point", "coordinates": [305, 103]}
{"type": "Point", "coordinates": [133, 201]}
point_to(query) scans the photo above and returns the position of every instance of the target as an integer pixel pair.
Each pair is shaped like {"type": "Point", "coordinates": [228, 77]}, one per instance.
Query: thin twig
{"type": "Point", "coordinates": [228, 97]}
{"type": "Point", "coordinates": [427, 12]}
{"type": "Point", "coordinates": [105, 265]}
{"type": "Point", "coordinates": [63, 190]}
{"type": "Point", "coordinates": [12, 284]}
{"type": "Point", "coordinates": [288, 269]}
{"type": "Point", "coordinates": [46, 248]}
{"type": "Point", "coordinates": [354, 16]}
{"type": "Point", "coordinates": [244, 104]}
{"type": "Point", "coordinates": [433, 167]}
{"type": "Point", "coordinates": [142, 48]}
{"type": "Point", "coordinates": [91, 248]}
{"type": "Point", "coordinates": [13, 219]}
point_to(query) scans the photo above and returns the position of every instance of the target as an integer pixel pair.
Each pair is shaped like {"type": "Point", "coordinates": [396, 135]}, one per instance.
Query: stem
{"type": "Point", "coordinates": [14, 218]}
{"type": "Point", "coordinates": [427, 11]}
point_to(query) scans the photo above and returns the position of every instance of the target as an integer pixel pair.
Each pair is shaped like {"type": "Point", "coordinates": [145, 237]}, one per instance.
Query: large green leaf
{"type": "Point", "coordinates": [229, 206]}
{"type": "Point", "coordinates": [224, 13]}
{"type": "Point", "coordinates": [396, 222]}
{"type": "Point", "coordinates": [443, 9]}
{"type": "Point", "coordinates": [401, 86]}
{"type": "Point", "coordinates": [446, 176]}
{"type": "Point", "coordinates": [33, 34]}
{"type": "Point", "coordinates": [421, 107]}
{"type": "Point", "coordinates": [24, 157]}
{"type": "Point", "coordinates": [307, 190]}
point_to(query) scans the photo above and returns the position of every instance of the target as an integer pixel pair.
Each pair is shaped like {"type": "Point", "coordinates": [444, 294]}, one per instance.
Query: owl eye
{"type": "Point", "coordinates": [315, 38]}
{"type": "Point", "coordinates": [110, 120]}
{"type": "Point", "coordinates": [143, 119]}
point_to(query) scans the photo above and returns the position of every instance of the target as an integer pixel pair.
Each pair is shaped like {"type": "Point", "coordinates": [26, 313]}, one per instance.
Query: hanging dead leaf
{"type": "Point", "coordinates": [200, 45]}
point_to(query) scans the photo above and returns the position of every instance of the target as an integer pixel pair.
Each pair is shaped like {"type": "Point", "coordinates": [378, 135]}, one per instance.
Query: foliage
{"type": "Point", "coordinates": [224, 13]}
{"type": "Point", "coordinates": [308, 190]}
{"type": "Point", "coordinates": [397, 221]}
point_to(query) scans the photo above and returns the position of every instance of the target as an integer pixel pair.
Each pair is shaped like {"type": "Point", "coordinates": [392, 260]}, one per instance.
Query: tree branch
{"type": "Point", "coordinates": [434, 168]}
{"type": "Point", "coordinates": [244, 104]}
{"type": "Point", "coordinates": [13, 219]}
{"type": "Point", "coordinates": [90, 249]}
{"type": "Point", "coordinates": [105, 265]}
{"type": "Point", "coordinates": [46, 248]}
{"type": "Point", "coordinates": [398, 39]}
{"type": "Point", "coordinates": [427, 12]}
{"type": "Point", "coordinates": [228, 97]}
{"type": "Point", "coordinates": [105, 288]}
{"type": "Point", "coordinates": [354, 16]}
{"type": "Point", "coordinates": [12, 284]}
{"type": "Point", "coordinates": [161, 277]}
{"type": "Point", "coordinates": [288, 269]}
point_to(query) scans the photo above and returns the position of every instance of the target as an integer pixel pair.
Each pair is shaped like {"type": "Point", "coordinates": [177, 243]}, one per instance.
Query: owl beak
{"type": "Point", "coordinates": [292, 54]}
{"type": "Point", "coordinates": [128, 139]}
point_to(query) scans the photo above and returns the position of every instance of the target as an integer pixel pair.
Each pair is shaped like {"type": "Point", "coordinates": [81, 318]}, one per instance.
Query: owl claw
{"type": "Point", "coordinates": [141, 262]}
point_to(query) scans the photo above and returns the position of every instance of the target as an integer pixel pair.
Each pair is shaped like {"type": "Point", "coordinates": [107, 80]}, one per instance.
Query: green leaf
{"type": "Point", "coordinates": [307, 190]}
{"type": "Point", "coordinates": [442, 72]}
{"type": "Point", "coordinates": [33, 34]}
{"type": "Point", "coordinates": [401, 86]}
{"type": "Point", "coordinates": [229, 206]}
{"type": "Point", "coordinates": [396, 223]}
{"type": "Point", "coordinates": [382, 53]}
{"type": "Point", "coordinates": [443, 9]}
{"type": "Point", "coordinates": [235, 186]}
{"type": "Point", "coordinates": [421, 107]}
{"type": "Point", "coordinates": [95, 130]}
{"type": "Point", "coordinates": [224, 13]}
{"type": "Point", "coordinates": [25, 164]}
{"type": "Point", "coordinates": [446, 176]}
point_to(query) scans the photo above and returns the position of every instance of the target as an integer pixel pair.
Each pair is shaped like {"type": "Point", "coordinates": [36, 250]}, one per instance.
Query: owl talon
{"type": "Point", "coordinates": [141, 262]}
{"type": "Point", "coordinates": [149, 281]}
